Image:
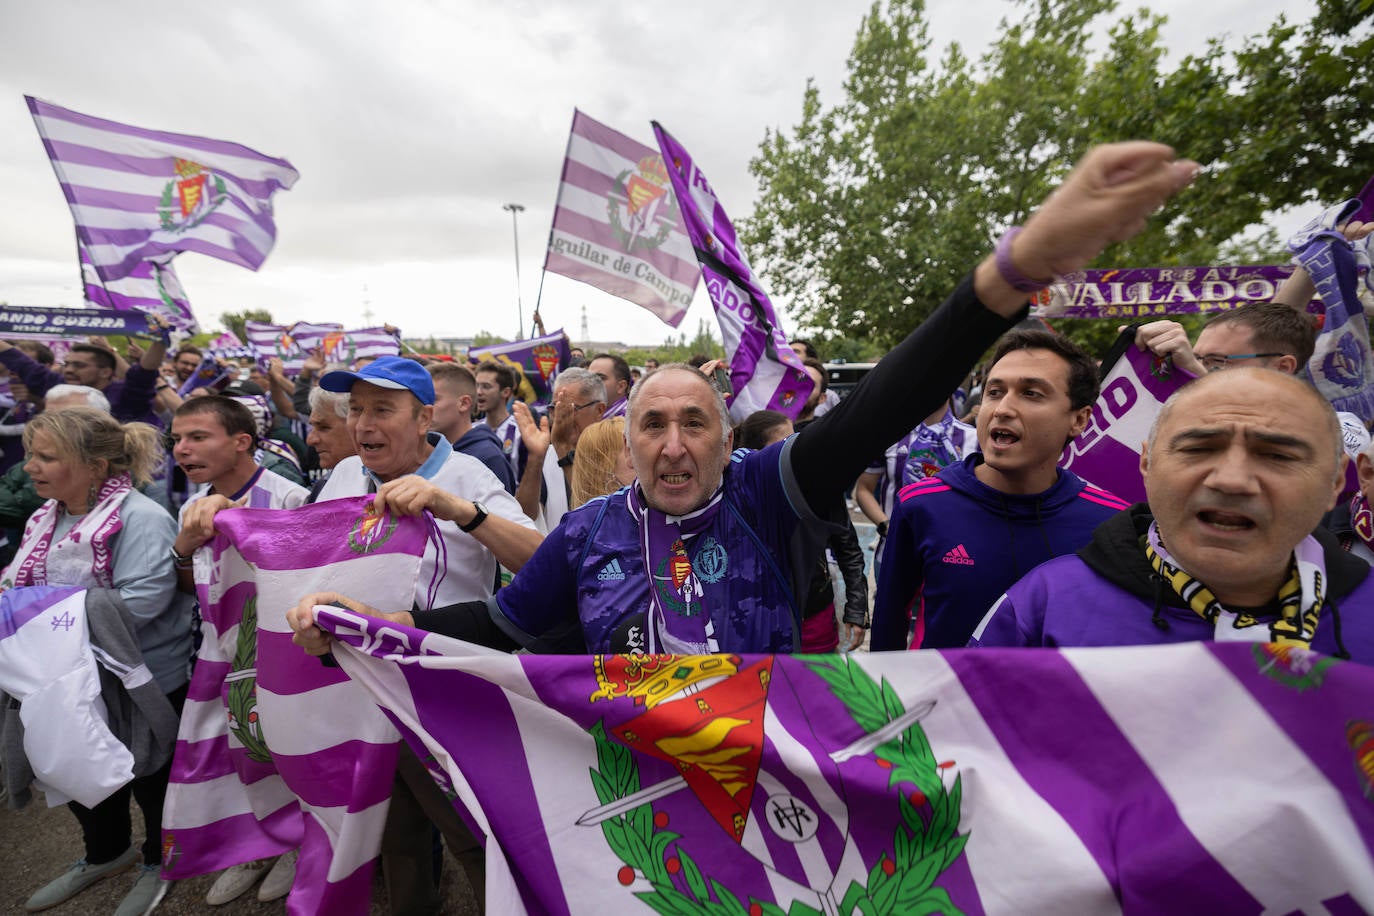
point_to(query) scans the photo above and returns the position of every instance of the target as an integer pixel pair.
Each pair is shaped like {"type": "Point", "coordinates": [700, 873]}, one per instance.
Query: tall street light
{"type": "Point", "coordinates": [515, 210]}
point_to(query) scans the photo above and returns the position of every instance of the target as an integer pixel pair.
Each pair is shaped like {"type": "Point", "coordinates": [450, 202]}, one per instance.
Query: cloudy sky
{"type": "Point", "coordinates": [413, 122]}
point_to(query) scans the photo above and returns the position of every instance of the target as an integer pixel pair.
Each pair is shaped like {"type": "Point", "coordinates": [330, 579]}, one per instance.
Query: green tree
{"type": "Point", "coordinates": [872, 210]}
{"type": "Point", "coordinates": [234, 321]}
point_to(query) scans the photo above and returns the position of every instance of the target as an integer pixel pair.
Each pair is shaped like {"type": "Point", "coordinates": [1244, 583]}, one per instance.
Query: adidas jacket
{"type": "Point", "coordinates": [954, 545]}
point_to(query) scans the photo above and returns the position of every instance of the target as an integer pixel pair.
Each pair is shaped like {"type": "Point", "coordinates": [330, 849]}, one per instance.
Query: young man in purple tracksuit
{"type": "Point", "coordinates": [958, 539]}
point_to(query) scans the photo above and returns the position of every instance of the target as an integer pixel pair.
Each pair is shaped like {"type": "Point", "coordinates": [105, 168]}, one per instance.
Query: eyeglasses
{"type": "Point", "coordinates": [577, 407]}
{"type": "Point", "coordinates": [1213, 362]}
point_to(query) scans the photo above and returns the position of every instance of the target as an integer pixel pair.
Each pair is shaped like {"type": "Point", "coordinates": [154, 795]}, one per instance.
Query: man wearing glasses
{"type": "Point", "coordinates": [579, 398]}
{"type": "Point", "coordinates": [1258, 335]}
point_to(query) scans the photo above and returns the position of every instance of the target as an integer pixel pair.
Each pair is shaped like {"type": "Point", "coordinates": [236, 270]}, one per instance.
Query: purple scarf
{"type": "Point", "coordinates": [678, 623]}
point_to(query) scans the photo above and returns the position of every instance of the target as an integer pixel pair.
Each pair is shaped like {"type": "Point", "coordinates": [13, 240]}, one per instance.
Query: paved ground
{"type": "Point", "coordinates": [40, 842]}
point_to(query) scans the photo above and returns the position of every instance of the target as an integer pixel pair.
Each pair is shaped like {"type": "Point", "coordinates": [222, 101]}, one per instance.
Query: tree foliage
{"type": "Point", "coordinates": [871, 211]}
{"type": "Point", "coordinates": [234, 321]}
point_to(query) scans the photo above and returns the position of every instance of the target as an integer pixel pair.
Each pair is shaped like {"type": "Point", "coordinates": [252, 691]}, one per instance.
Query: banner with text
{"type": "Point", "coordinates": [43, 321]}
{"type": "Point", "coordinates": [1135, 385]}
{"type": "Point", "coordinates": [765, 373]}
{"type": "Point", "coordinates": [1146, 293]}
{"type": "Point", "coordinates": [617, 225]}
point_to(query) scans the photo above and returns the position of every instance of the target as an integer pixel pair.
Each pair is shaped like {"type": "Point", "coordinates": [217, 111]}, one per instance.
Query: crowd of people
{"type": "Point", "coordinates": [636, 516]}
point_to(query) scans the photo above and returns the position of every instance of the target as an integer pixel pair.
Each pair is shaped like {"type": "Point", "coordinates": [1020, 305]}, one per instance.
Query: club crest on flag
{"type": "Point", "coordinates": [1360, 735]}
{"type": "Point", "coordinates": [639, 207]}
{"type": "Point", "coordinates": [370, 531]}
{"type": "Point", "coordinates": [1292, 665]}
{"type": "Point", "coordinates": [190, 197]}
{"type": "Point", "coordinates": [338, 347]}
{"type": "Point", "coordinates": [545, 362]}
{"type": "Point", "coordinates": [705, 716]}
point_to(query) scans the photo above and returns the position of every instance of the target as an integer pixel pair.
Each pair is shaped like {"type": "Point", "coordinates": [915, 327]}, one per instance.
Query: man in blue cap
{"type": "Point", "coordinates": [411, 468]}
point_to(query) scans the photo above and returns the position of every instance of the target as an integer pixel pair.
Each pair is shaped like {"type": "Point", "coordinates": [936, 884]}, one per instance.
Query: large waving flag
{"type": "Point", "coordinates": [149, 287]}
{"type": "Point", "coordinates": [764, 371]}
{"type": "Point", "coordinates": [973, 781]}
{"type": "Point", "coordinates": [277, 751]}
{"type": "Point", "coordinates": [538, 358]}
{"type": "Point", "coordinates": [617, 225]}
{"type": "Point", "coordinates": [140, 195]}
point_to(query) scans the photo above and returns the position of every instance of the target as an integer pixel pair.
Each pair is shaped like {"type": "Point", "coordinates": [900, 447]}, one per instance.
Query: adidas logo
{"type": "Point", "coordinates": [959, 557]}
{"type": "Point", "coordinates": [612, 572]}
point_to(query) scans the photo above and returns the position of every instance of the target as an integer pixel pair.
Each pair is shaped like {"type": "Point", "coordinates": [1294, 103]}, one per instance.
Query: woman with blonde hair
{"type": "Point", "coordinates": [96, 531]}
{"type": "Point", "coordinates": [601, 463]}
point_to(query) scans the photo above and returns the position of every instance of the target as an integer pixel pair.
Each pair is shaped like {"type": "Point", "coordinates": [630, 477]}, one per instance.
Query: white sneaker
{"type": "Point", "coordinates": [235, 880]}
{"type": "Point", "coordinates": [278, 882]}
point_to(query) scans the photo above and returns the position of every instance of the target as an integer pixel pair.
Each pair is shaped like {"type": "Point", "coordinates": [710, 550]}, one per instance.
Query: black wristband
{"type": "Point", "coordinates": [882, 528]}
{"type": "Point", "coordinates": [477, 519]}
{"type": "Point", "coordinates": [567, 460]}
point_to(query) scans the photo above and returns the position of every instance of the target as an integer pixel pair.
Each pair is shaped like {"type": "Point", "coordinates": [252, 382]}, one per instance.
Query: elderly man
{"type": "Point", "coordinates": [1239, 468]}
{"type": "Point", "coordinates": [708, 551]}
{"type": "Point", "coordinates": [411, 468]}
{"type": "Point", "coordinates": [549, 448]}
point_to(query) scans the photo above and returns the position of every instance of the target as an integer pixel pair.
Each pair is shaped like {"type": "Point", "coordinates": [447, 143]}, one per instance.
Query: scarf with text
{"type": "Point", "coordinates": [1299, 598]}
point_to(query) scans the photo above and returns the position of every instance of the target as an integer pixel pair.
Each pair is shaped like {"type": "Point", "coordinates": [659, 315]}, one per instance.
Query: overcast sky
{"type": "Point", "coordinates": [411, 123]}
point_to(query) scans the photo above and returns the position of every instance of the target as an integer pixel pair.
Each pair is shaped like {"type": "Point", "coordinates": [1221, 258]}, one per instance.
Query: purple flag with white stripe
{"type": "Point", "coordinates": [617, 225]}
{"type": "Point", "coordinates": [1135, 385]}
{"type": "Point", "coordinates": [277, 751]}
{"type": "Point", "coordinates": [140, 195]}
{"type": "Point", "coordinates": [149, 287]}
{"type": "Point", "coordinates": [971, 781]}
{"type": "Point", "coordinates": [764, 372]}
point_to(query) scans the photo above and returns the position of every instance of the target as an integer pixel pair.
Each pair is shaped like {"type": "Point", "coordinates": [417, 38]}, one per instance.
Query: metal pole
{"type": "Point", "coordinates": [515, 210]}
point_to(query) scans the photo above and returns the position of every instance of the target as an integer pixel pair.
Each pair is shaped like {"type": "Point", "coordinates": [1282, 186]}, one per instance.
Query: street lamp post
{"type": "Point", "coordinates": [515, 210]}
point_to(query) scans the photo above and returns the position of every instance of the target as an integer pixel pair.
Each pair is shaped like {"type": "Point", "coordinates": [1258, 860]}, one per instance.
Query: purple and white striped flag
{"type": "Point", "coordinates": [276, 340]}
{"type": "Point", "coordinates": [149, 287]}
{"type": "Point", "coordinates": [342, 346]}
{"type": "Point", "coordinates": [617, 225]}
{"type": "Point", "coordinates": [972, 781]}
{"type": "Point", "coordinates": [140, 195]}
{"type": "Point", "coordinates": [1135, 385]}
{"type": "Point", "coordinates": [277, 751]}
{"type": "Point", "coordinates": [764, 371]}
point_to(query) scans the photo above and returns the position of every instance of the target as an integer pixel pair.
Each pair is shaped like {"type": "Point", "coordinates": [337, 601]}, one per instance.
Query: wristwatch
{"type": "Point", "coordinates": [179, 560]}
{"type": "Point", "coordinates": [477, 519]}
{"type": "Point", "coordinates": [882, 528]}
{"type": "Point", "coordinates": [567, 460]}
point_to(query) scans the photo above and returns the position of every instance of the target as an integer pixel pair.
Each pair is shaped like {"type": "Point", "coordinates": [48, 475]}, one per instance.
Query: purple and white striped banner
{"type": "Point", "coordinates": [1135, 385]}
{"type": "Point", "coordinates": [539, 359]}
{"type": "Point", "coordinates": [617, 225]}
{"type": "Point", "coordinates": [277, 751]}
{"type": "Point", "coordinates": [340, 346]}
{"type": "Point", "coordinates": [1147, 293]}
{"type": "Point", "coordinates": [972, 781]}
{"type": "Point", "coordinates": [140, 195]}
{"type": "Point", "coordinates": [149, 287]}
{"type": "Point", "coordinates": [764, 372]}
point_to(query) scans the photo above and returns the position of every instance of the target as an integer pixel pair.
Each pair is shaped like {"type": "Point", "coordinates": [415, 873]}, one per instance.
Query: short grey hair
{"type": "Point", "coordinates": [717, 399]}
{"type": "Point", "coordinates": [93, 397]}
{"type": "Point", "coordinates": [322, 401]}
{"type": "Point", "coordinates": [587, 382]}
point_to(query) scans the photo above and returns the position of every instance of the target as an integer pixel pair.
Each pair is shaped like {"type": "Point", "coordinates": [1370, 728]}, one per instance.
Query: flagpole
{"type": "Point", "coordinates": [562, 177]}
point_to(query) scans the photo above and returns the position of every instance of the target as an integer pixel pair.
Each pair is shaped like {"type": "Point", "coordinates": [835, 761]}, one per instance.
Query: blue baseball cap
{"type": "Point", "coordinates": [394, 372]}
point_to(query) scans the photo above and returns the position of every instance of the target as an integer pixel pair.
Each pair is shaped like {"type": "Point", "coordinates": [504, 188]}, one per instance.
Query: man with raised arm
{"type": "Point", "coordinates": [707, 551]}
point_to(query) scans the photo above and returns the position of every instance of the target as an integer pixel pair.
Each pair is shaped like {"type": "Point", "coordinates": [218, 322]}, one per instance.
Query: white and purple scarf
{"type": "Point", "coordinates": [80, 557]}
{"type": "Point", "coordinates": [678, 621]}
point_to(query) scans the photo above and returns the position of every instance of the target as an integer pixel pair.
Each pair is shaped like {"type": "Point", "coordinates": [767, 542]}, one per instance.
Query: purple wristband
{"type": "Point", "coordinates": [1015, 279]}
